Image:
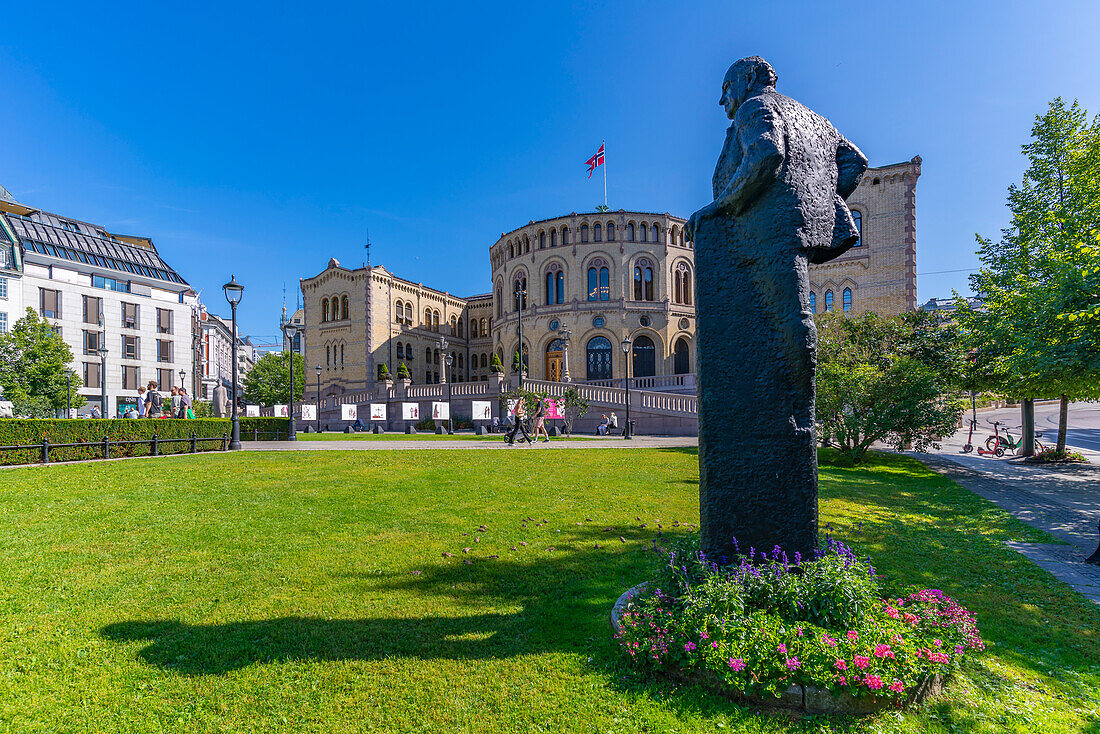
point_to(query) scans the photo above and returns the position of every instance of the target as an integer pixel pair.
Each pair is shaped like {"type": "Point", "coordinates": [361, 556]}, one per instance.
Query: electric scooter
{"type": "Point", "coordinates": [997, 449]}
{"type": "Point", "coordinates": [969, 438]}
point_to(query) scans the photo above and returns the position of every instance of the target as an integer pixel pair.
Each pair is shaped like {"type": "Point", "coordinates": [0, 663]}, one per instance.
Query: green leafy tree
{"type": "Point", "coordinates": [885, 380]}
{"type": "Point", "coordinates": [574, 407]}
{"type": "Point", "coordinates": [1038, 330]}
{"type": "Point", "coordinates": [34, 369]}
{"type": "Point", "coordinates": [268, 381]}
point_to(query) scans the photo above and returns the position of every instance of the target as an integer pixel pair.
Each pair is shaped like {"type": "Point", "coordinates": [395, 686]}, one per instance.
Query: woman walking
{"type": "Point", "coordinates": [540, 421]}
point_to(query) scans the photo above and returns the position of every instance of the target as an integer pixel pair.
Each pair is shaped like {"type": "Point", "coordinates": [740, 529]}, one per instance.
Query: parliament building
{"type": "Point", "coordinates": [577, 286]}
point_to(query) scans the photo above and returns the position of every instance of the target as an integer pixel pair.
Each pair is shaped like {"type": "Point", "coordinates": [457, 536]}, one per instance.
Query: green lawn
{"type": "Point", "coordinates": [307, 592]}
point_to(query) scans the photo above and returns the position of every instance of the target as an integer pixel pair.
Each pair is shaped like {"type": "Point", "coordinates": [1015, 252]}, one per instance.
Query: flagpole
{"type": "Point", "coordinates": [603, 144]}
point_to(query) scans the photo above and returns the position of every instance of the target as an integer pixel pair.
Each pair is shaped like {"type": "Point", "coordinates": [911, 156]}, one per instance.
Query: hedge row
{"type": "Point", "coordinates": [31, 432]}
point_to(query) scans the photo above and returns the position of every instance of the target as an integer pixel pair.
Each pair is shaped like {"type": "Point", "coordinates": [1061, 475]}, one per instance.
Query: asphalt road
{"type": "Point", "coordinates": [1083, 430]}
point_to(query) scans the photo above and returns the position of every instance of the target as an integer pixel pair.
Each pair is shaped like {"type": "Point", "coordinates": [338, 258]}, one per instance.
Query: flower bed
{"type": "Point", "coordinates": [813, 634]}
{"type": "Point", "coordinates": [1053, 456]}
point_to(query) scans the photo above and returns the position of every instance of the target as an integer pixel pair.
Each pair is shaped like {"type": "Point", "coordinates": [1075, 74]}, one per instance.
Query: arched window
{"type": "Point", "coordinates": [526, 244]}
{"type": "Point", "coordinates": [341, 355]}
{"type": "Point", "coordinates": [598, 358]}
{"type": "Point", "coordinates": [553, 238]}
{"type": "Point", "coordinates": [511, 250]}
{"type": "Point", "coordinates": [630, 232]}
{"type": "Point", "coordinates": [610, 231]}
{"type": "Point", "coordinates": [555, 285]}
{"type": "Point", "coordinates": [846, 299]}
{"type": "Point", "coordinates": [596, 232]}
{"type": "Point", "coordinates": [542, 240]}
{"type": "Point", "coordinates": [345, 313]}
{"type": "Point", "coordinates": [559, 283]}
{"type": "Point", "coordinates": [856, 215]}
{"type": "Point", "coordinates": [484, 361]}
{"type": "Point", "coordinates": [642, 231]}
{"type": "Point", "coordinates": [681, 360]}
{"type": "Point", "coordinates": [549, 288]}
{"type": "Point", "coordinates": [584, 233]}
{"type": "Point", "coordinates": [435, 320]}
{"type": "Point", "coordinates": [408, 351]}
{"type": "Point", "coordinates": [828, 300]}
{"type": "Point", "coordinates": [643, 280]}
{"type": "Point", "coordinates": [565, 235]}
{"type": "Point", "coordinates": [328, 356]}
{"type": "Point", "coordinates": [500, 301]}
{"type": "Point", "coordinates": [593, 284]}
{"type": "Point", "coordinates": [599, 281]}
{"type": "Point", "coordinates": [681, 238]}
{"type": "Point", "coordinates": [400, 350]}
{"type": "Point", "coordinates": [681, 284]}
{"type": "Point", "coordinates": [645, 357]}
{"type": "Point", "coordinates": [461, 329]}
{"type": "Point", "coordinates": [460, 360]}
{"type": "Point", "coordinates": [813, 302]}
{"type": "Point", "coordinates": [435, 357]}
{"type": "Point", "coordinates": [454, 326]}
{"type": "Point", "coordinates": [428, 355]}
{"type": "Point", "coordinates": [399, 312]}
{"type": "Point", "coordinates": [656, 233]}
{"type": "Point", "coordinates": [324, 309]}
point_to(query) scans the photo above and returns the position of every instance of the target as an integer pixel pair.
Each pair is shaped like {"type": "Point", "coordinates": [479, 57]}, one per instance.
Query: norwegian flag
{"type": "Point", "coordinates": [596, 160]}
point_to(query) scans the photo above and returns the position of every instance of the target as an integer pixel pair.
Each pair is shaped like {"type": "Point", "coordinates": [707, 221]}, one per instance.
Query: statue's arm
{"type": "Point", "coordinates": [761, 137]}
{"type": "Point", "coordinates": [850, 165]}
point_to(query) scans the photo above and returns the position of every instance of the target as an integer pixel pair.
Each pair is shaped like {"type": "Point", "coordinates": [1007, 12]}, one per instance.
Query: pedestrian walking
{"type": "Point", "coordinates": [96, 412]}
{"type": "Point", "coordinates": [142, 406]}
{"type": "Point", "coordinates": [185, 404]}
{"type": "Point", "coordinates": [518, 426]}
{"type": "Point", "coordinates": [540, 421]}
{"type": "Point", "coordinates": [154, 403]}
{"type": "Point", "coordinates": [175, 410]}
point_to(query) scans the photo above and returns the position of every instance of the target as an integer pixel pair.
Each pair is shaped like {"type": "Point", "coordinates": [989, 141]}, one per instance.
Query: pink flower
{"type": "Point", "coordinates": [793, 664]}
{"type": "Point", "coordinates": [910, 618]}
{"type": "Point", "coordinates": [843, 680]}
{"type": "Point", "coordinates": [799, 631]}
{"type": "Point", "coordinates": [830, 641]}
{"type": "Point", "coordinates": [896, 639]}
{"type": "Point", "coordinates": [958, 649]}
{"type": "Point", "coordinates": [714, 645]}
{"type": "Point", "coordinates": [883, 651]}
{"type": "Point", "coordinates": [841, 664]}
{"type": "Point", "coordinates": [737, 664]}
{"type": "Point", "coordinates": [891, 612]}
{"type": "Point", "coordinates": [861, 661]}
{"type": "Point", "coordinates": [897, 687]}
{"type": "Point", "coordinates": [938, 657]}
{"type": "Point", "coordinates": [852, 635]}
{"type": "Point", "coordinates": [703, 636]}
{"type": "Point", "coordinates": [782, 649]}
{"type": "Point", "coordinates": [689, 646]}
{"type": "Point", "coordinates": [873, 682]}
{"type": "Point", "coordinates": [937, 643]}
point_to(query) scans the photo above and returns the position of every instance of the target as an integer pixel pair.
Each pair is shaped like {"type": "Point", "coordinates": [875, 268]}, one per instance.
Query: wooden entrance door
{"type": "Point", "coordinates": [553, 366]}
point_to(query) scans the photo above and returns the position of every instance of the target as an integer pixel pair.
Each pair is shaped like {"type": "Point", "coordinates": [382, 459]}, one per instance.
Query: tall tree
{"type": "Point", "coordinates": [34, 369]}
{"type": "Point", "coordinates": [268, 382]}
{"type": "Point", "coordinates": [1037, 328]}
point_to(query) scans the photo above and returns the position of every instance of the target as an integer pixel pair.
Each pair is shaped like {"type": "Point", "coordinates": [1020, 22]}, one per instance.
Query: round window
{"type": "Point", "coordinates": [645, 321]}
{"type": "Point", "coordinates": [554, 324]}
{"type": "Point", "coordinates": [684, 323]}
{"type": "Point", "coordinates": [598, 321]}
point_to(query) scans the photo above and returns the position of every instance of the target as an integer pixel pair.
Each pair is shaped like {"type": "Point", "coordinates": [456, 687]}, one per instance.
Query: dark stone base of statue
{"type": "Point", "coordinates": [779, 191]}
{"type": "Point", "coordinates": [757, 448]}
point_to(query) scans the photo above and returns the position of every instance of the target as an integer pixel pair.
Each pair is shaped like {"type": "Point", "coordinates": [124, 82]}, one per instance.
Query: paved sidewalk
{"type": "Point", "coordinates": [1063, 500]}
{"type": "Point", "coordinates": [638, 442]}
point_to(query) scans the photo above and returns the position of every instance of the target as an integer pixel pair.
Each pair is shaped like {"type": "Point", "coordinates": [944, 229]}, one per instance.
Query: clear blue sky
{"type": "Point", "coordinates": [264, 143]}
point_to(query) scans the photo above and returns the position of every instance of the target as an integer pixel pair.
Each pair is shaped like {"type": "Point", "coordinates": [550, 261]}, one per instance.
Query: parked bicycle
{"type": "Point", "coordinates": [1005, 441]}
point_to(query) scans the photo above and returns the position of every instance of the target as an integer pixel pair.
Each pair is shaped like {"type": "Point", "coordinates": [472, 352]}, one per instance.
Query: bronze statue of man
{"type": "Point", "coordinates": [779, 191]}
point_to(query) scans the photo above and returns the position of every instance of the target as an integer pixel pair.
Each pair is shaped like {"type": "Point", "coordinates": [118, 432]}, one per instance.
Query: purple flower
{"type": "Point", "coordinates": [689, 646]}
{"type": "Point", "coordinates": [737, 664]}
{"type": "Point", "coordinates": [793, 664]}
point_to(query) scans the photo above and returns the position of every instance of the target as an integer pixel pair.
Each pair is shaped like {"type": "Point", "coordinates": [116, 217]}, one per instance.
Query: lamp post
{"type": "Point", "coordinates": [289, 330]}
{"type": "Point", "coordinates": [521, 298]}
{"type": "Point", "coordinates": [233, 291]}
{"type": "Point", "coordinates": [446, 359]}
{"type": "Point", "coordinates": [69, 394]}
{"type": "Point", "coordinates": [183, 374]}
{"type": "Point", "coordinates": [317, 369]}
{"type": "Point", "coordinates": [626, 381]}
{"type": "Point", "coordinates": [564, 334]}
{"type": "Point", "coordinates": [102, 380]}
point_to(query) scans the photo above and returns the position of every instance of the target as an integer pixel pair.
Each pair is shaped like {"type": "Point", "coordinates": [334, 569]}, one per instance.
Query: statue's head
{"type": "Point", "coordinates": [745, 78]}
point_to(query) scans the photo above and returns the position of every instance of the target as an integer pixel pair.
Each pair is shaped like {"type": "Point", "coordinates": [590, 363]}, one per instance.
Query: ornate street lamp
{"type": "Point", "coordinates": [521, 301]}
{"type": "Point", "coordinates": [233, 292]}
{"type": "Point", "coordinates": [564, 334]}
{"type": "Point", "coordinates": [183, 374]}
{"type": "Point", "coordinates": [446, 358]}
{"type": "Point", "coordinates": [289, 330]}
{"type": "Point", "coordinates": [626, 381]}
{"type": "Point", "coordinates": [317, 369]}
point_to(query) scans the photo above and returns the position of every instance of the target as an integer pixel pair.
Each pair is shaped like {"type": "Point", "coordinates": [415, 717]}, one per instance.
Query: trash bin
{"type": "Point", "coordinates": [629, 429]}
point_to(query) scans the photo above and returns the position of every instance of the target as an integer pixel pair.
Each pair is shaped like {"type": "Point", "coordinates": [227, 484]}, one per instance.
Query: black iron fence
{"type": "Point", "coordinates": [154, 444]}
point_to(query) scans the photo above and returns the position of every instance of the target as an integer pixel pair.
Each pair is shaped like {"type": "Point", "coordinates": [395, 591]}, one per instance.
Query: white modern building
{"type": "Point", "coordinates": [111, 297]}
{"type": "Point", "coordinates": [11, 272]}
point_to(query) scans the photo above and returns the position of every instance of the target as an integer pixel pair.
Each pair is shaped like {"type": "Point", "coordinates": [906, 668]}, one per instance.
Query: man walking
{"type": "Point", "coordinates": [154, 403]}
{"type": "Point", "coordinates": [518, 426]}
{"type": "Point", "coordinates": [185, 403]}
{"type": "Point", "coordinates": [142, 405]}
{"type": "Point", "coordinates": [175, 412]}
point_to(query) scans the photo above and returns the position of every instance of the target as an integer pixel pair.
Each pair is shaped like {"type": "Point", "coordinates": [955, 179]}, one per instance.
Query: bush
{"type": "Point", "coordinates": [1054, 456]}
{"type": "Point", "coordinates": [426, 424]}
{"type": "Point", "coordinates": [31, 431]}
{"type": "Point", "coordinates": [21, 432]}
{"type": "Point", "coordinates": [403, 372]}
{"type": "Point", "coordinates": [767, 622]}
